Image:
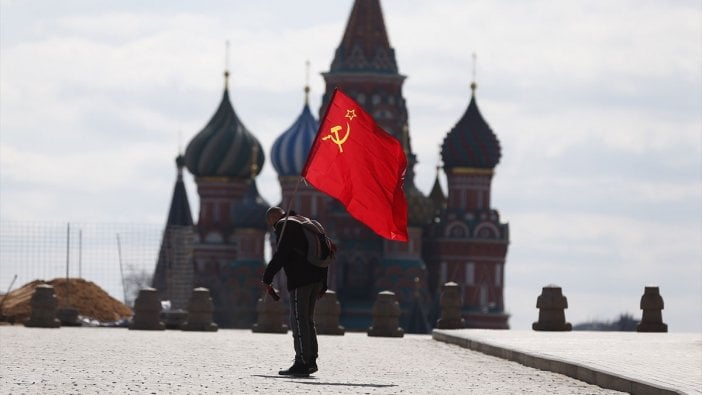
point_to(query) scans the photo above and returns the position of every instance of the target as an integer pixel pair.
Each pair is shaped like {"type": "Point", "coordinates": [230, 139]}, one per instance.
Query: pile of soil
{"type": "Point", "coordinates": [85, 296]}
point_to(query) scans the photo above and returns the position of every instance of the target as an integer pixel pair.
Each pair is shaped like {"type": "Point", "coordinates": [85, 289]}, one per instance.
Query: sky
{"type": "Point", "coordinates": [597, 106]}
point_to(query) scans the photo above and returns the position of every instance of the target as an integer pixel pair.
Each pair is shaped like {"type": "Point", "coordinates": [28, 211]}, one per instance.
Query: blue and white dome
{"type": "Point", "coordinates": [290, 149]}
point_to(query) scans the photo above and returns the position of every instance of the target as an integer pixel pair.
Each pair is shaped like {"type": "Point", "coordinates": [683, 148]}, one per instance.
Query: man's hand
{"type": "Point", "coordinates": [271, 291]}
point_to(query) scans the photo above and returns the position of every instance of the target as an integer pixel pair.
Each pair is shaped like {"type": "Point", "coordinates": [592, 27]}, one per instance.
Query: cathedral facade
{"type": "Point", "coordinates": [456, 237]}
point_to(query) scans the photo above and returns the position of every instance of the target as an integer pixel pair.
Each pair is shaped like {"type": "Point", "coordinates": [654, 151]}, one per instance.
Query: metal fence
{"type": "Point", "coordinates": [115, 256]}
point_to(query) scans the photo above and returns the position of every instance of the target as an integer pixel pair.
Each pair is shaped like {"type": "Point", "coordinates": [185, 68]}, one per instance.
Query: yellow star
{"type": "Point", "coordinates": [351, 114]}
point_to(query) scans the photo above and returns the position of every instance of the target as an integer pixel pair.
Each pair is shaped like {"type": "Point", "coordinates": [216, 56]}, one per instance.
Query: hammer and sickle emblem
{"type": "Point", "coordinates": [334, 136]}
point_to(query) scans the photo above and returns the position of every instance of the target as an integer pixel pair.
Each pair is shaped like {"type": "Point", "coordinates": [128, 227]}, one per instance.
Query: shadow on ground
{"type": "Point", "coordinates": [309, 380]}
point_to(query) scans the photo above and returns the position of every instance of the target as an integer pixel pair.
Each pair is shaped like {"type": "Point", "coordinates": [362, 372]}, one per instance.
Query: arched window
{"type": "Point", "coordinates": [486, 230]}
{"type": "Point", "coordinates": [457, 231]}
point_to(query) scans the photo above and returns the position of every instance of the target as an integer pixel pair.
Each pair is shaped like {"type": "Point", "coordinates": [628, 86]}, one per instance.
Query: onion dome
{"type": "Point", "coordinates": [250, 212]}
{"type": "Point", "coordinates": [471, 143]}
{"type": "Point", "coordinates": [290, 149]}
{"type": "Point", "coordinates": [223, 148]}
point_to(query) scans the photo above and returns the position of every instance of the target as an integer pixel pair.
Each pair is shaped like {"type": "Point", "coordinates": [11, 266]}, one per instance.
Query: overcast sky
{"type": "Point", "coordinates": [597, 106]}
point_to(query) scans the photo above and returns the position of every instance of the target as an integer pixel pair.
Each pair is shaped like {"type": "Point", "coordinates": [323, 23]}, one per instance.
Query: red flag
{"type": "Point", "coordinates": [358, 163]}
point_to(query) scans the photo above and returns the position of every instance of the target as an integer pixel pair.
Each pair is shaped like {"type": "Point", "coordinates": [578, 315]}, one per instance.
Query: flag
{"type": "Point", "coordinates": [355, 161]}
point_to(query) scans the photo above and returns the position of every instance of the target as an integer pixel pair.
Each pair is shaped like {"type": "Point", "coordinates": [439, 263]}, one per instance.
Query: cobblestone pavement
{"type": "Point", "coordinates": [626, 361]}
{"type": "Point", "coordinates": [117, 360]}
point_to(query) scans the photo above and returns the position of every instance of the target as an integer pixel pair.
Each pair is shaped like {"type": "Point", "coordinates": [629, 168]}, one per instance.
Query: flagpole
{"type": "Point", "coordinates": [302, 174]}
{"type": "Point", "coordinates": [374, 166]}
{"type": "Point", "coordinates": [304, 169]}
{"type": "Point", "coordinates": [287, 212]}
{"type": "Point", "coordinates": [315, 146]}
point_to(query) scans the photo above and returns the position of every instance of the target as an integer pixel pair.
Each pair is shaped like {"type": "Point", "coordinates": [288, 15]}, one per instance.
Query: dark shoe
{"type": "Point", "coordinates": [298, 370]}
{"type": "Point", "coordinates": [312, 367]}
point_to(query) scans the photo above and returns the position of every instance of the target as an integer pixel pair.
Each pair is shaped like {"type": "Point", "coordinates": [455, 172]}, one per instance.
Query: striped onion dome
{"type": "Point", "coordinates": [224, 147]}
{"type": "Point", "coordinates": [250, 211]}
{"type": "Point", "coordinates": [471, 143]}
{"type": "Point", "coordinates": [290, 149]}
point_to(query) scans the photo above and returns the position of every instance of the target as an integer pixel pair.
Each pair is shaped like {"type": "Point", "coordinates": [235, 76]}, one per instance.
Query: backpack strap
{"type": "Point", "coordinates": [317, 226]}
{"type": "Point", "coordinates": [307, 223]}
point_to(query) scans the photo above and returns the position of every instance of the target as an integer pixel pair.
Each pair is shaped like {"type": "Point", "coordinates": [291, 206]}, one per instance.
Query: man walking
{"type": "Point", "coordinates": [306, 283]}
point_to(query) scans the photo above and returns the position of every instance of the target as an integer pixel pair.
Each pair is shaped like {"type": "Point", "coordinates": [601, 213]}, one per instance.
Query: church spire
{"type": "Point", "coordinates": [365, 45]}
{"type": "Point", "coordinates": [474, 84]}
{"type": "Point", "coordinates": [226, 65]}
{"type": "Point", "coordinates": [471, 143]}
{"type": "Point", "coordinates": [179, 212]}
{"type": "Point", "coordinates": [307, 82]}
{"type": "Point", "coordinates": [437, 194]}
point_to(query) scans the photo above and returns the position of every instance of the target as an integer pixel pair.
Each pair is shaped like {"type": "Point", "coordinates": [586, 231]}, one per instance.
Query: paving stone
{"type": "Point", "coordinates": [116, 360]}
{"type": "Point", "coordinates": [658, 363]}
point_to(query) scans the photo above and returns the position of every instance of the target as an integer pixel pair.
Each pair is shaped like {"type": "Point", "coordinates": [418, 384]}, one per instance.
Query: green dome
{"type": "Point", "coordinates": [224, 147]}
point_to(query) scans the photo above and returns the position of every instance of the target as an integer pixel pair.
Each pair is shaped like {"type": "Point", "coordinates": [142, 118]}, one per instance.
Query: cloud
{"type": "Point", "coordinates": [603, 263]}
{"type": "Point", "coordinates": [596, 105]}
{"type": "Point", "coordinates": [116, 184]}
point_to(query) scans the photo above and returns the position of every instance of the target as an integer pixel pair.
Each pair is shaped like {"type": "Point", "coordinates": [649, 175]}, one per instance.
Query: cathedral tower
{"type": "Point", "coordinates": [220, 157]}
{"type": "Point", "coordinates": [365, 68]}
{"type": "Point", "coordinates": [173, 277]}
{"type": "Point", "coordinates": [468, 243]}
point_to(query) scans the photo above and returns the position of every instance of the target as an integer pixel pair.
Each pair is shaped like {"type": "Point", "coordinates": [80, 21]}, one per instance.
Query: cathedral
{"type": "Point", "coordinates": [453, 237]}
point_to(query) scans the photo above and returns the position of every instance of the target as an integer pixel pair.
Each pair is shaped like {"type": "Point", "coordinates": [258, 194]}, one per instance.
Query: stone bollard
{"type": "Point", "coordinates": [652, 317]}
{"type": "Point", "coordinates": [386, 316]}
{"type": "Point", "coordinates": [147, 311]}
{"type": "Point", "coordinates": [173, 319]}
{"type": "Point", "coordinates": [200, 309]}
{"type": "Point", "coordinates": [451, 304]}
{"type": "Point", "coordinates": [43, 305]}
{"type": "Point", "coordinates": [326, 315]}
{"type": "Point", "coordinates": [270, 316]}
{"type": "Point", "coordinates": [551, 304]}
{"type": "Point", "coordinates": [68, 316]}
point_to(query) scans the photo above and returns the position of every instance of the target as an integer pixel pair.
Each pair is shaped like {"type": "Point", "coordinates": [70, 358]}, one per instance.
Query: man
{"type": "Point", "coordinates": [306, 283]}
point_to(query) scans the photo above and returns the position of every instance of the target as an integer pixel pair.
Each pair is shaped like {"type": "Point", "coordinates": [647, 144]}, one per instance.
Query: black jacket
{"type": "Point", "coordinates": [291, 256]}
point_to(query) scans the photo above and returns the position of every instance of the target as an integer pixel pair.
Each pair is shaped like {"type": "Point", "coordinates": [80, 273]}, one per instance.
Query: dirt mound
{"type": "Point", "coordinates": [85, 296]}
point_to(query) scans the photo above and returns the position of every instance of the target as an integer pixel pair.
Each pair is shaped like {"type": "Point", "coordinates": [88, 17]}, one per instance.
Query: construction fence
{"type": "Point", "coordinates": [119, 257]}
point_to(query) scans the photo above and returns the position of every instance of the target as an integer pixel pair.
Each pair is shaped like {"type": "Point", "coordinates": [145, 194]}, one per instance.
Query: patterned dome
{"type": "Point", "coordinates": [471, 143]}
{"type": "Point", "coordinates": [224, 147]}
{"type": "Point", "coordinates": [290, 149]}
{"type": "Point", "coordinates": [251, 210]}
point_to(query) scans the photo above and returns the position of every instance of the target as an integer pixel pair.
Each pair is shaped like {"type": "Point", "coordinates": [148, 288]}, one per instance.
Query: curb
{"type": "Point", "coordinates": [571, 369]}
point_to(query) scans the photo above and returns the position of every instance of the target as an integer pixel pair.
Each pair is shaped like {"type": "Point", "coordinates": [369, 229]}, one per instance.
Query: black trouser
{"type": "Point", "coordinates": [302, 301]}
